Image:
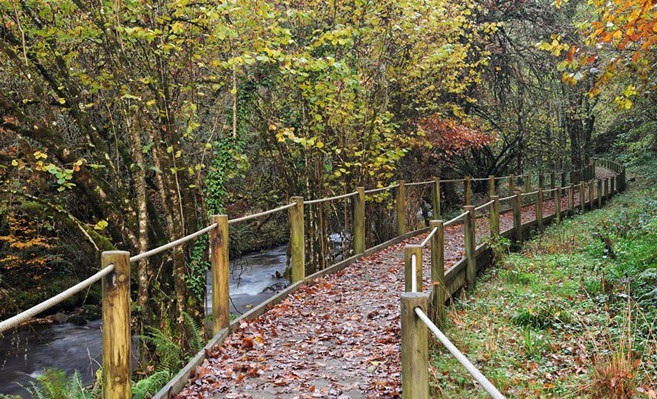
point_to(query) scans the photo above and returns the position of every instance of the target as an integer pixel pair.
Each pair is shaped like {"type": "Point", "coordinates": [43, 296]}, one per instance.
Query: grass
{"type": "Point", "coordinates": [570, 316]}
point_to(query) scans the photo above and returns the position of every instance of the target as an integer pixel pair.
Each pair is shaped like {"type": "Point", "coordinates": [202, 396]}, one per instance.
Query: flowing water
{"type": "Point", "coordinates": [26, 352]}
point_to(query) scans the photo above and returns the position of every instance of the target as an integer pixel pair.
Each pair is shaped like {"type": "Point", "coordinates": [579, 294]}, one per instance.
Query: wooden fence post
{"type": "Point", "coordinates": [401, 208]}
{"type": "Point", "coordinates": [297, 250]}
{"type": "Point", "coordinates": [528, 183]}
{"type": "Point", "coordinates": [581, 196]}
{"type": "Point", "coordinates": [591, 194]}
{"type": "Point", "coordinates": [553, 180]}
{"type": "Point", "coordinates": [613, 184]}
{"type": "Point", "coordinates": [599, 187]}
{"type": "Point", "coordinates": [438, 289]}
{"type": "Point", "coordinates": [468, 190]}
{"type": "Point", "coordinates": [494, 215]}
{"type": "Point", "coordinates": [413, 251]}
{"type": "Point", "coordinates": [541, 180]}
{"type": "Point", "coordinates": [557, 204]}
{"type": "Point", "coordinates": [471, 257]}
{"type": "Point", "coordinates": [435, 199]}
{"type": "Point", "coordinates": [359, 221]}
{"type": "Point", "coordinates": [491, 186]}
{"type": "Point", "coordinates": [563, 179]}
{"type": "Point", "coordinates": [571, 199]}
{"type": "Point", "coordinates": [220, 273]}
{"type": "Point", "coordinates": [512, 183]}
{"type": "Point", "coordinates": [539, 209]}
{"type": "Point", "coordinates": [116, 326]}
{"type": "Point", "coordinates": [414, 347]}
{"type": "Point", "coordinates": [517, 217]}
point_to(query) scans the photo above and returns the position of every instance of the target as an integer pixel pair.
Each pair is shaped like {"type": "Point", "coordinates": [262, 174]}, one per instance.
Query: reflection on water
{"type": "Point", "coordinates": [25, 353]}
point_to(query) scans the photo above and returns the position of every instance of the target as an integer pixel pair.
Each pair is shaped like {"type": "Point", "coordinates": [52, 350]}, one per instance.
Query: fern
{"type": "Point", "coordinates": [53, 384]}
{"type": "Point", "coordinates": [196, 336]}
{"type": "Point", "coordinates": [149, 386]}
{"type": "Point", "coordinates": [169, 353]}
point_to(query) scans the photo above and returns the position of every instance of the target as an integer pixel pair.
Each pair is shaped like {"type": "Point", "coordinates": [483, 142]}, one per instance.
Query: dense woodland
{"type": "Point", "coordinates": [126, 124]}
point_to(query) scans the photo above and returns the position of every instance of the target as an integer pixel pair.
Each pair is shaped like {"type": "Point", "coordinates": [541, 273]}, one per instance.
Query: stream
{"type": "Point", "coordinates": [26, 352]}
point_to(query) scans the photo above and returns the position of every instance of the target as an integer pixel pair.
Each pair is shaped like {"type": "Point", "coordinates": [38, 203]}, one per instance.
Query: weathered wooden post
{"type": "Point", "coordinates": [116, 325]}
{"type": "Point", "coordinates": [571, 198]}
{"type": "Point", "coordinates": [494, 218]}
{"type": "Point", "coordinates": [297, 250]}
{"type": "Point", "coordinates": [491, 186]}
{"type": "Point", "coordinates": [581, 196]}
{"type": "Point", "coordinates": [468, 190]}
{"type": "Point", "coordinates": [553, 180]}
{"type": "Point", "coordinates": [622, 183]}
{"type": "Point", "coordinates": [435, 198]}
{"type": "Point", "coordinates": [528, 183]}
{"type": "Point", "coordinates": [557, 204]}
{"type": "Point", "coordinates": [438, 291]}
{"type": "Point", "coordinates": [591, 194]}
{"type": "Point", "coordinates": [541, 180]}
{"type": "Point", "coordinates": [613, 184]}
{"type": "Point", "coordinates": [470, 255]}
{"type": "Point", "coordinates": [563, 179]}
{"type": "Point", "coordinates": [401, 208]}
{"type": "Point", "coordinates": [359, 221]}
{"type": "Point", "coordinates": [414, 347]}
{"type": "Point", "coordinates": [512, 183]}
{"type": "Point", "coordinates": [539, 209]}
{"type": "Point", "coordinates": [219, 262]}
{"type": "Point", "coordinates": [413, 268]}
{"type": "Point", "coordinates": [517, 217]}
{"type": "Point", "coordinates": [599, 186]}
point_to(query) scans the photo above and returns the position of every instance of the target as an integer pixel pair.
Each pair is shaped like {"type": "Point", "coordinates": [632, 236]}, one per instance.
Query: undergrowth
{"type": "Point", "coordinates": [55, 384]}
{"type": "Point", "coordinates": [573, 315]}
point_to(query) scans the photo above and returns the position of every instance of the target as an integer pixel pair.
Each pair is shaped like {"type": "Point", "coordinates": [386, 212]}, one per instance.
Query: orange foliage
{"type": "Point", "coordinates": [452, 137]}
{"type": "Point", "coordinates": [26, 249]}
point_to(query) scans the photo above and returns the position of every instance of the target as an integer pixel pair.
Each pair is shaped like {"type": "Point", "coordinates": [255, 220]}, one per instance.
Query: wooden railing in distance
{"type": "Point", "coordinates": [415, 305]}
{"type": "Point", "coordinates": [115, 270]}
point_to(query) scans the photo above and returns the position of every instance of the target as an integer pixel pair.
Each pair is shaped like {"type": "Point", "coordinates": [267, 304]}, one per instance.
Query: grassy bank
{"type": "Point", "coordinates": [572, 315]}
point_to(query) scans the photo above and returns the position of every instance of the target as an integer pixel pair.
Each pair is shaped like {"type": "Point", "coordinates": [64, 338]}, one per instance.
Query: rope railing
{"type": "Point", "coordinates": [482, 206]}
{"type": "Point", "coordinates": [337, 197]}
{"type": "Point", "coordinates": [378, 190]}
{"type": "Point", "coordinates": [26, 315]}
{"type": "Point", "coordinates": [456, 219]}
{"type": "Point", "coordinates": [474, 372]}
{"type": "Point", "coordinates": [261, 214]}
{"type": "Point", "coordinates": [420, 183]}
{"type": "Point", "coordinates": [429, 237]}
{"type": "Point", "coordinates": [118, 263]}
{"type": "Point", "coordinates": [172, 244]}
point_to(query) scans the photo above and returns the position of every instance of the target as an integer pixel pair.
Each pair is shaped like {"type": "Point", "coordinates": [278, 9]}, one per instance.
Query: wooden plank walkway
{"type": "Point", "coordinates": [335, 337]}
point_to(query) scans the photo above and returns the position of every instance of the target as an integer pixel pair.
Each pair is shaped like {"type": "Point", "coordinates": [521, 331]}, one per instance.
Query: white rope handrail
{"type": "Point", "coordinates": [483, 206]}
{"type": "Point", "coordinates": [507, 198]}
{"type": "Point", "coordinates": [456, 219]}
{"type": "Point", "coordinates": [529, 193]}
{"type": "Point", "coordinates": [172, 244]}
{"type": "Point", "coordinates": [337, 197]}
{"type": "Point", "coordinates": [377, 190]}
{"type": "Point", "coordinates": [257, 215]}
{"type": "Point", "coordinates": [419, 183]}
{"type": "Point", "coordinates": [24, 316]}
{"type": "Point", "coordinates": [426, 240]}
{"type": "Point", "coordinates": [476, 374]}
